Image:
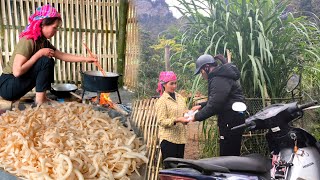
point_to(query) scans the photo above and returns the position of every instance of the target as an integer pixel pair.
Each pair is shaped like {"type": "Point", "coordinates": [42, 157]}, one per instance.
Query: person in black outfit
{"type": "Point", "coordinates": [223, 90]}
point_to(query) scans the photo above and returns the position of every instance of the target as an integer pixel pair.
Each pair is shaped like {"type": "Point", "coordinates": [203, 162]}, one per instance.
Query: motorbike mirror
{"type": "Point", "coordinates": [292, 83]}
{"type": "Point", "coordinates": [239, 107]}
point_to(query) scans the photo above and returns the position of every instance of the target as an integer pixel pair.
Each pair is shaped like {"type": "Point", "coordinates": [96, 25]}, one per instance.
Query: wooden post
{"type": "Point", "coordinates": [1, 38]}
{"type": "Point", "coordinates": [167, 57]}
{"type": "Point", "coordinates": [229, 56]}
{"type": "Point", "coordinates": [121, 48]}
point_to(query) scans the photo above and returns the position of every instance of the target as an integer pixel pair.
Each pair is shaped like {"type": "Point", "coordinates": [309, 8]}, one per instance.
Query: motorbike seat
{"type": "Point", "coordinates": [250, 163]}
{"type": "Point", "coordinates": [253, 163]}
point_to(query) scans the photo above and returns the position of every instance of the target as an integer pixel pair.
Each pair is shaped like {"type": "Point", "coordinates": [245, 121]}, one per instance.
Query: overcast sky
{"type": "Point", "coordinates": [176, 13]}
{"type": "Point", "coordinates": [173, 10]}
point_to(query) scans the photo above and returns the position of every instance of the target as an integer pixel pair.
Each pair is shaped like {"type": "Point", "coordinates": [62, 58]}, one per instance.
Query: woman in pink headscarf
{"type": "Point", "coordinates": [170, 109]}
{"type": "Point", "coordinates": [32, 64]}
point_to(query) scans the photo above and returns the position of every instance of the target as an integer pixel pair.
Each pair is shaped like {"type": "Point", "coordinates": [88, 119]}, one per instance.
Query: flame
{"type": "Point", "coordinates": [104, 99]}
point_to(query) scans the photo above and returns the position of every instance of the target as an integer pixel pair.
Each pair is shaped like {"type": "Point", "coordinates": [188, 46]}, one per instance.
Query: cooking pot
{"type": "Point", "coordinates": [95, 81]}
{"type": "Point", "coordinates": [63, 90]}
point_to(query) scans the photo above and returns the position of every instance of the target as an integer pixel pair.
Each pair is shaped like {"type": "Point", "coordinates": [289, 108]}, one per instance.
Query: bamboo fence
{"type": "Point", "coordinates": [132, 48]}
{"type": "Point", "coordinates": [144, 122]}
{"type": "Point", "coordinates": [93, 22]}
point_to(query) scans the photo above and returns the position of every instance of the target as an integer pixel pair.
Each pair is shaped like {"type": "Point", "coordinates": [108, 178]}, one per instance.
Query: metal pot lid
{"type": "Point", "coordinates": [64, 87]}
{"type": "Point", "coordinates": [99, 73]}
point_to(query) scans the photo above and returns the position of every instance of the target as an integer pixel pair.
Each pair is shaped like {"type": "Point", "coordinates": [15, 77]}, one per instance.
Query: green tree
{"type": "Point", "coordinates": [149, 67]}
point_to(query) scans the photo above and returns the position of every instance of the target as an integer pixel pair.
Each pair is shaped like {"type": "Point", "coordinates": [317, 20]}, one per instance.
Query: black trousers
{"type": "Point", "coordinates": [169, 149]}
{"type": "Point", "coordinates": [230, 140]}
{"type": "Point", "coordinates": [40, 75]}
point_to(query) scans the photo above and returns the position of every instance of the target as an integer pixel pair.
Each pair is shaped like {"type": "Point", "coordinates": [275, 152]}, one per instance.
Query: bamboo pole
{"type": "Point", "coordinates": [16, 21]}
{"type": "Point", "coordinates": [144, 117]}
{"type": "Point", "coordinates": [22, 18]}
{"type": "Point", "coordinates": [83, 34]}
{"type": "Point", "coordinates": [99, 38]}
{"type": "Point", "coordinates": [135, 31]}
{"type": "Point", "coordinates": [59, 43]}
{"type": "Point", "coordinates": [167, 57]}
{"type": "Point", "coordinates": [108, 37]}
{"type": "Point", "coordinates": [133, 114]}
{"type": "Point", "coordinates": [66, 65]}
{"type": "Point", "coordinates": [155, 133]}
{"type": "Point", "coordinates": [72, 66]}
{"type": "Point", "coordinates": [151, 159]}
{"type": "Point", "coordinates": [88, 26]}
{"type": "Point", "coordinates": [11, 35]}
{"type": "Point", "coordinates": [152, 120]}
{"type": "Point", "coordinates": [104, 37]}
{"type": "Point", "coordinates": [144, 121]}
{"type": "Point", "coordinates": [2, 29]}
{"type": "Point", "coordinates": [93, 30]}
{"type": "Point", "coordinates": [115, 26]}
{"type": "Point", "coordinates": [123, 10]}
{"type": "Point", "coordinates": [156, 174]}
{"type": "Point", "coordinates": [139, 115]}
{"type": "Point", "coordinates": [147, 125]}
{"type": "Point", "coordinates": [5, 36]}
{"type": "Point", "coordinates": [78, 21]}
{"type": "Point", "coordinates": [132, 50]}
{"type": "Point", "coordinates": [140, 118]}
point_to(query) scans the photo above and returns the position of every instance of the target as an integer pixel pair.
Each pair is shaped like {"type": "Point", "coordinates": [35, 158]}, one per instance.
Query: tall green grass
{"type": "Point", "coordinates": [267, 42]}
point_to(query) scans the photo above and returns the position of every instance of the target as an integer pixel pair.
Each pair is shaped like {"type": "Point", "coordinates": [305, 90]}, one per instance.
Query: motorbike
{"type": "Point", "coordinates": [295, 153]}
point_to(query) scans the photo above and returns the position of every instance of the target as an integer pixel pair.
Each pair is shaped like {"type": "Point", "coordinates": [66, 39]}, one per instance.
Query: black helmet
{"type": "Point", "coordinates": [202, 60]}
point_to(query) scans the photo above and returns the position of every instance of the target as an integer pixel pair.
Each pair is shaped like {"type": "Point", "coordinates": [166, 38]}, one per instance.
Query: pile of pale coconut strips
{"type": "Point", "coordinates": [67, 141]}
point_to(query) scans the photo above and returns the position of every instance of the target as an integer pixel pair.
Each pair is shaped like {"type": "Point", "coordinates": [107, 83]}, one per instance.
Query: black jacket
{"type": "Point", "coordinates": [223, 90]}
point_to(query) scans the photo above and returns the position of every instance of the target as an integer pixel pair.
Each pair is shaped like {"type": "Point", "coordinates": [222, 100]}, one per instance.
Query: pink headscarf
{"type": "Point", "coordinates": [33, 30]}
{"type": "Point", "coordinates": [164, 77]}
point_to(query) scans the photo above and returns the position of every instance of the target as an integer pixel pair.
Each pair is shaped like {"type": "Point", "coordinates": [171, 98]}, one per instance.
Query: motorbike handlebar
{"type": "Point", "coordinates": [240, 126]}
{"type": "Point", "coordinates": [252, 124]}
{"type": "Point", "coordinates": [243, 125]}
{"type": "Point", "coordinates": [306, 105]}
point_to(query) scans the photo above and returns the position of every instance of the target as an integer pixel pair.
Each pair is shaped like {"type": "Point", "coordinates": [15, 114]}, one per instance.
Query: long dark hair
{"type": "Point", "coordinates": [49, 21]}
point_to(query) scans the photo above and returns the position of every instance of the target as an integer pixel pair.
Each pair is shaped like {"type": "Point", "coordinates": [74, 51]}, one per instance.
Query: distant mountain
{"type": "Point", "coordinates": [152, 8]}
{"type": "Point", "coordinates": [154, 16]}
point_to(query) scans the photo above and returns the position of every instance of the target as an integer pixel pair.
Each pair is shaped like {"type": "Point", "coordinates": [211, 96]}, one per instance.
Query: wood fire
{"type": "Point", "coordinates": [104, 100]}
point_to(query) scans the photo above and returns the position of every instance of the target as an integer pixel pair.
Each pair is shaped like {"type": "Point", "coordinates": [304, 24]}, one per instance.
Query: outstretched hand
{"type": "Point", "coordinates": [191, 119]}
{"type": "Point", "coordinates": [183, 120]}
{"type": "Point", "coordinates": [91, 59]}
{"type": "Point", "coordinates": [197, 107]}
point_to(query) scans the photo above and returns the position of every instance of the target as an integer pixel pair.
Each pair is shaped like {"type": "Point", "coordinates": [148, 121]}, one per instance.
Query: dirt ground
{"type": "Point", "coordinates": [192, 146]}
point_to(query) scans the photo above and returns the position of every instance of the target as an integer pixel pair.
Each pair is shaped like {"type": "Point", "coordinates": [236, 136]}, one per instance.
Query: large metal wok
{"type": "Point", "coordinates": [95, 81]}
{"type": "Point", "coordinates": [63, 90]}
